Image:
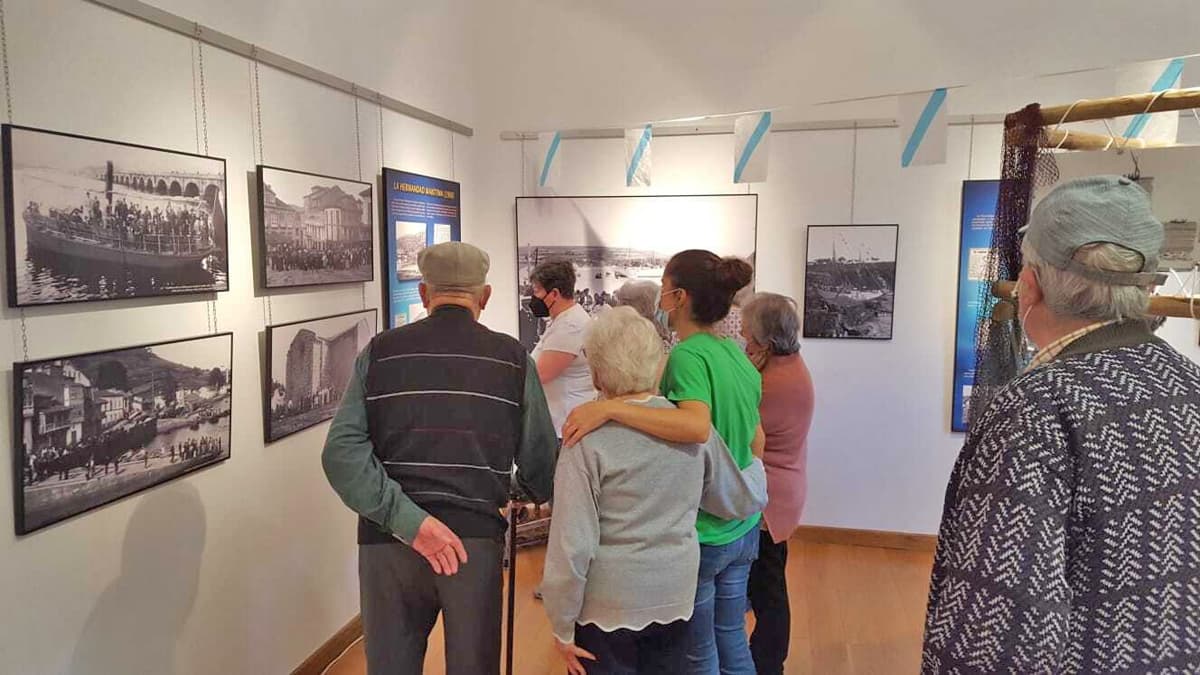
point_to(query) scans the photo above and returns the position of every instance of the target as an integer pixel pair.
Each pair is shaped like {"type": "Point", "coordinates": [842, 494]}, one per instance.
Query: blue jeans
{"type": "Point", "coordinates": [717, 636]}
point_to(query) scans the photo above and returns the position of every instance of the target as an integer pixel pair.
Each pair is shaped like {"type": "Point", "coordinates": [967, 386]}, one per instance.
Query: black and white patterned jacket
{"type": "Point", "coordinates": [1070, 539]}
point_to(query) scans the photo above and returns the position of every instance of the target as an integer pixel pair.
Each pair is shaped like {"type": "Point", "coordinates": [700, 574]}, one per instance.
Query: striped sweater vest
{"type": "Point", "coordinates": [444, 401]}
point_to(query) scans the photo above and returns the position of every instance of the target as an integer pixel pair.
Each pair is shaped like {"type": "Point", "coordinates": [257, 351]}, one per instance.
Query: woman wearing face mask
{"type": "Point", "coordinates": [561, 364]}
{"type": "Point", "coordinates": [771, 329]}
{"type": "Point", "coordinates": [713, 385]}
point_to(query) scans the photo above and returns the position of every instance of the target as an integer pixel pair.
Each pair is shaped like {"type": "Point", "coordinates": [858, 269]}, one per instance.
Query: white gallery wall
{"type": "Point", "coordinates": [247, 566]}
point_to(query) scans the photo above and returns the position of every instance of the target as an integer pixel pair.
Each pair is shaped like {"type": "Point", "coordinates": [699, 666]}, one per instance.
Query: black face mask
{"type": "Point", "coordinates": [538, 307]}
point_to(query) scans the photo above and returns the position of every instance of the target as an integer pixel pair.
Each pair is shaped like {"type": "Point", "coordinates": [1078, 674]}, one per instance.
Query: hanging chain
{"type": "Point", "coordinates": [357, 131]}
{"type": "Point", "coordinates": [262, 158]}
{"type": "Point", "coordinates": [203, 91]}
{"type": "Point", "coordinates": [7, 75]}
{"type": "Point", "coordinates": [971, 150]}
{"type": "Point", "coordinates": [452, 176]}
{"type": "Point", "coordinates": [195, 100]}
{"type": "Point", "coordinates": [9, 110]}
{"type": "Point", "coordinates": [524, 168]}
{"type": "Point", "coordinates": [379, 101]}
{"type": "Point", "coordinates": [853, 171]}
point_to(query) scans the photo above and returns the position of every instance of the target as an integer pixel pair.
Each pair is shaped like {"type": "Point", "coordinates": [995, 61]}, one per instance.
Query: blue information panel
{"type": "Point", "coordinates": [418, 211]}
{"type": "Point", "coordinates": [979, 198]}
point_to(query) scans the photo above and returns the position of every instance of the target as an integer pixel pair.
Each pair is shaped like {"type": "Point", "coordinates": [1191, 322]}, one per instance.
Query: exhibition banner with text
{"type": "Point", "coordinates": [979, 199]}
{"type": "Point", "coordinates": [418, 211]}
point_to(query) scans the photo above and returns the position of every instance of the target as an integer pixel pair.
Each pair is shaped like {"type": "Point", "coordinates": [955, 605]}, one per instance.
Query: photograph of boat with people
{"type": "Point", "coordinates": [90, 219]}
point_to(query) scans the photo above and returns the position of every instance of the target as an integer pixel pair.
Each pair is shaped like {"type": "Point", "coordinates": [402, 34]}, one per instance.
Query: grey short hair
{"type": "Point", "coordinates": [773, 322]}
{"type": "Point", "coordinates": [1070, 295]}
{"type": "Point", "coordinates": [642, 296]}
{"type": "Point", "coordinates": [624, 352]}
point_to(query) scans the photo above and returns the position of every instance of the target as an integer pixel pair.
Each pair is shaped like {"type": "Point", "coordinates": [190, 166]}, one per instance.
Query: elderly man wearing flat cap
{"type": "Point", "coordinates": [422, 448]}
{"type": "Point", "coordinates": [1070, 539]}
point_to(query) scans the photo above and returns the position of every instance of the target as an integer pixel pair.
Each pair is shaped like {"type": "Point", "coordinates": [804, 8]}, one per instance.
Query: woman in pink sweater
{"type": "Point", "coordinates": [771, 327]}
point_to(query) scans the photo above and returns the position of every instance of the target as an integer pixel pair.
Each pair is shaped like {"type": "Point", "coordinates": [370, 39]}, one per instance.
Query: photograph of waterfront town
{"type": "Point", "coordinates": [97, 427]}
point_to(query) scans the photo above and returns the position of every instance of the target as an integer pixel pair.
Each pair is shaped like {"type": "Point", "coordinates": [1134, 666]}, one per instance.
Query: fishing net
{"type": "Point", "coordinates": [1000, 346]}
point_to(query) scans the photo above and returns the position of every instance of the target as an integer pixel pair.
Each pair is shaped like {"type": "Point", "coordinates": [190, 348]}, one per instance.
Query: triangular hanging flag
{"type": "Point", "coordinates": [923, 128]}
{"type": "Point", "coordinates": [545, 162]}
{"type": "Point", "coordinates": [1152, 76]}
{"type": "Point", "coordinates": [751, 147]}
{"type": "Point", "coordinates": [637, 156]}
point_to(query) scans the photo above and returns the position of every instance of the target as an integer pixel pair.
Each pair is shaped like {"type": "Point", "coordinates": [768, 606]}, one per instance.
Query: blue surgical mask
{"type": "Point", "coordinates": [663, 316]}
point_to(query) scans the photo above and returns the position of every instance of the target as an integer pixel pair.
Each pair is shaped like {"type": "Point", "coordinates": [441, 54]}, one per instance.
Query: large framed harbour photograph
{"type": "Point", "coordinates": [309, 364]}
{"type": "Point", "coordinates": [314, 229]}
{"type": "Point", "coordinates": [613, 240]}
{"type": "Point", "coordinates": [89, 219]}
{"type": "Point", "coordinates": [93, 428]}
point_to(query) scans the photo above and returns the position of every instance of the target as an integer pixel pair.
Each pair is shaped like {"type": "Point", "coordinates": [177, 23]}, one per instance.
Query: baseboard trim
{"type": "Point", "coordinates": [905, 541]}
{"type": "Point", "coordinates": [329, 652]}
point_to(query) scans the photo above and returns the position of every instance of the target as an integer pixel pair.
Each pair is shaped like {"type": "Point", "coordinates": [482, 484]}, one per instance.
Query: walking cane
{"type": "Point", "coordinates": [512, 586]}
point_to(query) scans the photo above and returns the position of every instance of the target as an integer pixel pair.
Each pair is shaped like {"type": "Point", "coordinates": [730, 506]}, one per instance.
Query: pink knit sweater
{"type": "Point", "coordinates": [787, 412]}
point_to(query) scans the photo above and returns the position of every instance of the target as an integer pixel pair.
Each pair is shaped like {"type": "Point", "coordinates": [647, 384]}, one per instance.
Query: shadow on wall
{"type": "Point", "coordinates": [136, 623]}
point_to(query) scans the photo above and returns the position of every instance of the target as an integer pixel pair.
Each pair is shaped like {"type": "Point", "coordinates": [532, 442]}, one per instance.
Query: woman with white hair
{"type": "Point", "coordinates": [620, 573]}
{"type": "Point", "coordinates": [771, 328]}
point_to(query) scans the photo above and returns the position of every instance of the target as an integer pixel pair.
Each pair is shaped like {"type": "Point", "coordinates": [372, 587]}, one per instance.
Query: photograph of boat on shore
{"type": "Point", "coordinates": [93, 428]}
{"type": "Point", "coordinates": [850, 283]}
{"type": "Point", "coordinates": [89, 219]}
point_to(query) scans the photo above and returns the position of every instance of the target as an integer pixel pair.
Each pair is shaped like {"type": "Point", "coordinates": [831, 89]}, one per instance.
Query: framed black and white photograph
{"type": "Point", "coordinates": [89, 219]}
{"type": "Point", "coordinates": [314, 229]}
{"type": "Point", "coordinates": [850, 281]}
{"type": "Point", "coordinates": [615, 240]}
{"type": "Point", "coordinates": [309, 364]}
{"type": "Point", "coordinates": [94, 428]}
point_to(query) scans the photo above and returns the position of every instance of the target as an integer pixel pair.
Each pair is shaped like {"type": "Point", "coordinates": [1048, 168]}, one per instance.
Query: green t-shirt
{"type": "Point", "coordinates": [715, 372]}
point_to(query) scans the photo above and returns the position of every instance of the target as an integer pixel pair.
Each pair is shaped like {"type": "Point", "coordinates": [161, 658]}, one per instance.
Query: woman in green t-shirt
{"type": "Point", "coordinates": [714, 385]}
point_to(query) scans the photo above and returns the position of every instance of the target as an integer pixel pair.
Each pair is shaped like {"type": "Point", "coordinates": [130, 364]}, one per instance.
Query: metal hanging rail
{"type": "Point", "coordinates": [216, 38]}
{"type": "Point", "coordinates": [726, 127]}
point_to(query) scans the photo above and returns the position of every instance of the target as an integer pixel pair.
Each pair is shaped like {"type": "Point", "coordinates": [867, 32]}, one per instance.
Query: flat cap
{"type": "Point", "coordinates": [453, 264]}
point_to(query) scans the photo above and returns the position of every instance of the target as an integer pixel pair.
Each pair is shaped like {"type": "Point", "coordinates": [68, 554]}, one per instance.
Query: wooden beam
{"type": "Point", "coordinates": [1066, 139]}
{"type": "Point", "coordinates": [1179, 306]}
{"type": "Point", "coordinates": [1120, 106]}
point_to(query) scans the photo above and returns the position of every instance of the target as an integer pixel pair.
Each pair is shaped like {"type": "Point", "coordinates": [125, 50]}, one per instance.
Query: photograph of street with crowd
{"type": "Point", "coordinates": [315, 229]}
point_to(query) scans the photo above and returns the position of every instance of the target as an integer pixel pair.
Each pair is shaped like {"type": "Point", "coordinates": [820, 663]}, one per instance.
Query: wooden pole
{"type": "Point", "coordinates": [1119, 106]}
{"type": "Point", "coordinates": [1180, 306]}
{"type": "Point", "coordinates": [1066, 139]}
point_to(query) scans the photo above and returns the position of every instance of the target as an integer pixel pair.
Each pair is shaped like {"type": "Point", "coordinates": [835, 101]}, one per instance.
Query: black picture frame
{"type": "Point", "coordinates": [106, 262]}
{"type": "Point", "coordinates": [25, 521]}
{"type": "Point", "coordinates": [261, 228]}
{"type": "Point", "coordinates": [523, 315]}
{"type": "Point", "coordinates": [329, 407]}
{"type": "Point", "coordinates": [813, 313]}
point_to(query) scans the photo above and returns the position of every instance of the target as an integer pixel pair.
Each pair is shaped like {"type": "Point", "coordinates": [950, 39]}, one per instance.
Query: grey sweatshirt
{"type": "Point", "coordinates": [623, 551]}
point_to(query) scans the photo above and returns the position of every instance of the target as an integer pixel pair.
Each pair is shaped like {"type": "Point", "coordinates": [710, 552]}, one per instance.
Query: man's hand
{"type": "Point", "coordinates": [440, 546]}
{"type": "Point", "coordinates": [585, 419]}
{"type": "Point", "coordinates": [571, 654]}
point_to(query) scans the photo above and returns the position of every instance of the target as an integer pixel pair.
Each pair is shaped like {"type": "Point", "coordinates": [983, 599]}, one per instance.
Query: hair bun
{"type": "Point", "coordinates": [734, 274]}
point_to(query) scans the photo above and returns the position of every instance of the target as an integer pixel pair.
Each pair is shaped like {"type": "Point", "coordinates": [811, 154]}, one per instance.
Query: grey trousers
{"type": "Point", "coordinates": [401, 598]}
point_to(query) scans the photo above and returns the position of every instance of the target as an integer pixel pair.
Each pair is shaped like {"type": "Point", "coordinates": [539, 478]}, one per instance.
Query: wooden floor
{"type": "Point", "coordinates": [854, 610]}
